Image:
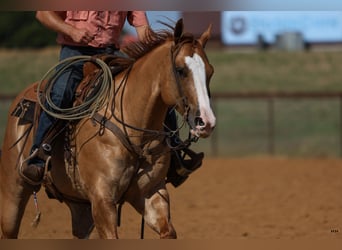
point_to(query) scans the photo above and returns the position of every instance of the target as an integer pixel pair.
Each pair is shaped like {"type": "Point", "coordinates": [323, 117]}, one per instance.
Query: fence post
{"type": "Point", "coordinates": [270, 104]}
{"type": "Point", "coordinates": [340, 116]}
{"type": "Point", "coordinates": [213, 139]}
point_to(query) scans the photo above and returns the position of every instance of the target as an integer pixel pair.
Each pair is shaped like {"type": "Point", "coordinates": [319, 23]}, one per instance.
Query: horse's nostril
{"type": "Point", "coordinates": [199, 121]}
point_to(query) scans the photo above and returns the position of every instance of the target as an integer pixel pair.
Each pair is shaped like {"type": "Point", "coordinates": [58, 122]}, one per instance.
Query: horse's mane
{"type": "Point", "coordinates": [153, 39]}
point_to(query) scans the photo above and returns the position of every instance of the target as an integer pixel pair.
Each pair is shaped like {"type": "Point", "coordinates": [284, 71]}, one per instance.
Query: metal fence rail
{"type": "Point", "coordinates": [270, 97]}
{"type": "Point", "coordinates": [6, 97]}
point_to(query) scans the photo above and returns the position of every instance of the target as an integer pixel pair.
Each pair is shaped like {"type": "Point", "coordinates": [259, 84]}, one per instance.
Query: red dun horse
{"type": "Point", "coordinates": [170, 70]}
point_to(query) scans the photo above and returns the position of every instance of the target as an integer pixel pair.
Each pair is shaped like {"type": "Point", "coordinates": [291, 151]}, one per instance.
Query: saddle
{"type": "Point", "coordinates": [27, 109]}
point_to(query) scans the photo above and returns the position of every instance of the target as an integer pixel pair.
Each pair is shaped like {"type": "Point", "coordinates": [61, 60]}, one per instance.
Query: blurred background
{"type": "Point", "coordinates": [277, 84]}
{"type": "Point", "coordinates": [274, 167]}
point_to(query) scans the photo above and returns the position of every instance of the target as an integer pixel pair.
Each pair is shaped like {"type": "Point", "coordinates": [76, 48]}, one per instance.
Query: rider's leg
{"type": "Point", "coordinates": [61, 96]}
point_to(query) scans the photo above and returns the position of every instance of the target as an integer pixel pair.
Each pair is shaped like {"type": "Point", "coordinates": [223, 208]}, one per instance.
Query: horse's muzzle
{"type": "Point", "coordinates": [203, 127]}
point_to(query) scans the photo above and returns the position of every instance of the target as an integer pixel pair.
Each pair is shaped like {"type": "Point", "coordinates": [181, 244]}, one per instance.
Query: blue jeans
{"type": "Point", "coordinates": [63, 90]}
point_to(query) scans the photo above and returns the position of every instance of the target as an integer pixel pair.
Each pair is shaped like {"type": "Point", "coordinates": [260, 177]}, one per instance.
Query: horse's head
{"type": "Point", "coordinates": [192, 72]}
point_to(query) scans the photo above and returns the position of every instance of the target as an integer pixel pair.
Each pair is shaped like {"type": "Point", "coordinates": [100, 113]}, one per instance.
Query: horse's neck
{"type": "Point", "coordinates": [142, 103]}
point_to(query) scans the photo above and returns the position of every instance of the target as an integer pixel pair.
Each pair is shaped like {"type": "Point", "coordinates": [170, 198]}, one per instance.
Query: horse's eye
{"type": "Point", "coordinates": [182, 72]}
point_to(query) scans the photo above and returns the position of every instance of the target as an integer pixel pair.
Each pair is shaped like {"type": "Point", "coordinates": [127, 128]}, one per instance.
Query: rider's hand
{"type": "Point", "coordinates": [81, 36]}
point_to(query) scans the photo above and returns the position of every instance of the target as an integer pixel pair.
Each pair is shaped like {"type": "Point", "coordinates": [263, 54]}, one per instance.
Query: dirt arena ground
{"type": "Point", "coordinates": [247, 198]}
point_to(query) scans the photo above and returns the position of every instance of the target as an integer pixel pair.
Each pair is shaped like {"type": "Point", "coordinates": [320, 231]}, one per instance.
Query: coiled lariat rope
{"type": "Point", "coordinates": [90, 106]}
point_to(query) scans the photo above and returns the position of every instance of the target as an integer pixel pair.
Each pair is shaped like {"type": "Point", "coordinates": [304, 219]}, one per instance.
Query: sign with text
{"type": "Point", "coordinates": [244, 27]}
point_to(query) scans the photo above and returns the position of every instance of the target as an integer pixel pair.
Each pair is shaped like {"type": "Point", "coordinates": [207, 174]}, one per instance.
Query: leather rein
{"type": "Point", "coordinates": [123, 135]}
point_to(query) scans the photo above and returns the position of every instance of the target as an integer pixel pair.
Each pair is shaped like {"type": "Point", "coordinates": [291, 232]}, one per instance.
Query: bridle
{"type": "Point", "coordinates": [153, 134]}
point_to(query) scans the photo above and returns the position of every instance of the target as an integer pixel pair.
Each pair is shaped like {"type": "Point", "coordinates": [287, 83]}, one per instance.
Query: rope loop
{"type": "Point", "coordinates": [89, 107]}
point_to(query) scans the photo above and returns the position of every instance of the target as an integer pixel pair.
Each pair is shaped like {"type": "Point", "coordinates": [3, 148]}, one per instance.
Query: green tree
{"type": "Point", "coordinates": [20, 29]}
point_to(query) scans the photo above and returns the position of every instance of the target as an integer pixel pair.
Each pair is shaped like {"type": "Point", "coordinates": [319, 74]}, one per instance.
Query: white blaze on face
{"type": "Point", "coordinates": [197, 67]}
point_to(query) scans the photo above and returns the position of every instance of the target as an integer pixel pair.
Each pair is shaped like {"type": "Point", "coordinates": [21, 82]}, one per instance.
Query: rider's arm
{"type": "Point", "coordinates": [139, 20]}
{"type": "Point", "coordinates": [55, 21]}
{"type": "Point", "coordinates": [142, 31]}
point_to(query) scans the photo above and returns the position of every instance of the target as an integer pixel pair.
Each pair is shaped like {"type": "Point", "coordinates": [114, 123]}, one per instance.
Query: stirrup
{"type": "Point", "coordinates": [189, 161]}
{"type": "Point", "coordinates": [182, 165]}
{"type": "Point", "coordinates": [25, 161]}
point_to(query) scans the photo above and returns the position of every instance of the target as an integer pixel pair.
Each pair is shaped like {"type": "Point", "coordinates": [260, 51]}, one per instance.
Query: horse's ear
{"type": "Point", "coordinates": [178, 30]}
{"type": "Point", "coordinates": [205, 36]}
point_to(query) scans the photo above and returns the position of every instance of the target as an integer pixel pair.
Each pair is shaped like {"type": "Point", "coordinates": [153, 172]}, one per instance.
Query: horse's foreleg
{"type": "Point", "coordinates": [156, 212]}
{"type": "Point", "coordinates": [13, 203]}
{"type": "Point", "coordinates": [105, 217]}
